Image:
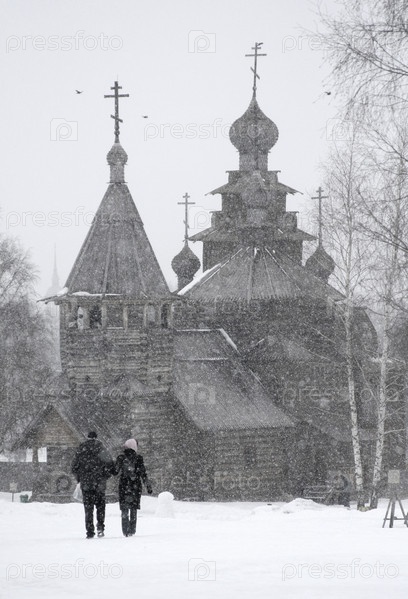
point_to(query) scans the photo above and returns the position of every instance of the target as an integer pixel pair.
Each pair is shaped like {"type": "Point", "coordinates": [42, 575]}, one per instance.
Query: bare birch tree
{"type": "Point", "coordinates": [386, 224]}
{"type": "Point", "coordinates": [26, 343]}
{"type": "Point", "coordinates": [351, 251]}
{"type": "Point", "coordinates": [366, 44]}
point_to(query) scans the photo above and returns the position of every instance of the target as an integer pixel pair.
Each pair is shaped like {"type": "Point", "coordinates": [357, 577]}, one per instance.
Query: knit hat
{"type": "Point", "coordinates": [131, 444]}
{"type": "Point", "coordinates": [92, 435]}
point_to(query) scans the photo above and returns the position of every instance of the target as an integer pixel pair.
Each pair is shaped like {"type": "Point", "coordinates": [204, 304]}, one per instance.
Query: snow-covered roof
{"type": "Point", "coordinates": [216, 390]}
{"type": "Point", "coordinates": [116, 256]}
{"type": "Point", "coordinates": [258, 274]}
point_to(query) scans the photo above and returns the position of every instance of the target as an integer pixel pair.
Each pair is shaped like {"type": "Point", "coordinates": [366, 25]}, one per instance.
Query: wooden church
{"type": "Point", "coordinates": [235, 385]}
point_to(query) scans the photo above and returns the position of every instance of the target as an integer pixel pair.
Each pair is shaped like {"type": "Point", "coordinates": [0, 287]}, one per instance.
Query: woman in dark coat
{"type": "Point", "coordinates": [130, 466]}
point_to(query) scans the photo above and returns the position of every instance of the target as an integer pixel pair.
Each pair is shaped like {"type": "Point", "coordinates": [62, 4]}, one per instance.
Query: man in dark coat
{"type": "Point", "coordinates": [131, 468]}
{"type": "Point", "coordinates": [92, 467]}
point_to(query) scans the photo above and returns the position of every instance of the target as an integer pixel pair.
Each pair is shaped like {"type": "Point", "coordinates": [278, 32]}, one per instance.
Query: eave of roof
{"type": "Point", "coordinates": [258, 274]}
{"type": "Point", "coordinates": [225, 235]}
{"type": "Point", "coordinates": [265, 183]}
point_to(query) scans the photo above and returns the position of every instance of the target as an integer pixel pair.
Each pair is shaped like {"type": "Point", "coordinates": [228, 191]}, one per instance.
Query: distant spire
{"type": "Point", "coordinates": [186, 204]}
{"type": "Point", "coordinates": [320, 197]}
{"type": "Point", "coordinates": [55, 284]}
{"type": "Point", "coordinates": [55, 278]}
{"type": "Point", "coordinates": [116, 118]}
{"type": "Point", "coordinates": [258, 46]}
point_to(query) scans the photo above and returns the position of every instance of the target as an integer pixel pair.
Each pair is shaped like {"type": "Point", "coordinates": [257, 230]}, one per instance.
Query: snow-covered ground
{"type": "Point", "coordinates": [211, 550]}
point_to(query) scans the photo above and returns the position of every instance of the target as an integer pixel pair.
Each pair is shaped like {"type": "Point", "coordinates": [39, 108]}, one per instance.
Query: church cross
{"type": "Point", "coordinates": [320, 197]}
{"type": "Point", "coordinates": [116, 95]}
{"type": "Point", "coordinates": [258, 46]}
{"type": "Point", "coordinates": [186, 204]}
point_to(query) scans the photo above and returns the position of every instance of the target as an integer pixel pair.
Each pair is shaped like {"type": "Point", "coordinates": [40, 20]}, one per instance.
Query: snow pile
{"type": "Point", "coordinates": [299, 505]}
{"type": "Point", "coordinates": [165, 507]}
{"type": "Point", "coordinates": [266, 511]}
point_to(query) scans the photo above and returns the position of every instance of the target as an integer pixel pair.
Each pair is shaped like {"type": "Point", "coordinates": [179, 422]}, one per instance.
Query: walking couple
{"type": "Point", "coordinates": [92, 467]}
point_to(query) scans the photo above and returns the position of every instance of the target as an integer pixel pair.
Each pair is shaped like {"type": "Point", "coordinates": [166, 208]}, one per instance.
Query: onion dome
{"type": "Point", "coordinates": [253, 131]}
{"type": "Point", "coordinates": [321, 264]}
{"type": "Point", "coordinates": [185, 264]}
{"type": "Point", "coordinates": [117, 158]}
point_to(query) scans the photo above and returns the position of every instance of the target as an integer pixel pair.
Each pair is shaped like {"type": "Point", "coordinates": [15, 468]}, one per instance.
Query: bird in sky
{"type": "Point", "coordinates": [78, 92]}
{"type": "Point", "coordinates": [145, 116]}
{"type": "Point", "coordinates": [324, 93]}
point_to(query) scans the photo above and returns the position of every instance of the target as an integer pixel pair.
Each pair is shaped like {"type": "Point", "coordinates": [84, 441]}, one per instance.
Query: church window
{"type": "Point", "coordinates": [73, 321]}
{"type": "Point", "coordinates": [150, 315]}
{"type": "Point", "coordinates": [95, 317]}
{"type": "Point", "coordinates": [115, 316]}
{"type": "Point", "coordinates": [80, 319]}
{"type": "Point", "coordinates": [165, 313]}
{"type": "Point", "coordinates": [135, 317]}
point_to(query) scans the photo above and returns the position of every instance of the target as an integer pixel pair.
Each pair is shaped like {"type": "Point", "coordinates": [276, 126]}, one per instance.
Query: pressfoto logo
{"type": "Point", "coordinates": [63, 130]}
{"type": "Point", "coordinates": [199, 217]}
{"type": "Point", "coordinates": [339, 130]}
{"type": "Point", "coordinates": [79, 569]}
{"type": "Point", "coordinates": [201, 395]}
{"type": "Point", "coordinates": [201, 570]}
{"type": "Point", "coordinates": [354, 569]}
{"type": "Point", "coordinates": [200, 42]}
{"type": "Point", "coordinates": [187, 130]}
{"type": "Point", "coordinates": [301, 42]}
{"type": "Point", "coordinates": [64, 43]}
{"type": "Point", "coordinates": [77, 218]}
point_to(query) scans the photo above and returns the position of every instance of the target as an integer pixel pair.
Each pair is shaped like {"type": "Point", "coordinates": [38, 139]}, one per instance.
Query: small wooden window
{"type": "Point", "coordinates": [135, 317]}
{"type": "Point", "coordinates": [95, 317]}
{"type": "Point", "coordinates": [115, 316]}
{"type": "Point", "coordinates": [165, 313]}
{"type": "Point", "coordinates": [80, 319]}
{"type": "Point", "coordinates": [150, 315]}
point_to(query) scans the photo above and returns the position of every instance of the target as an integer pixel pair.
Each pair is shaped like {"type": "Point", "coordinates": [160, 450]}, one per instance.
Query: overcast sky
{"type": "Point", "coordinates": [183, 64]}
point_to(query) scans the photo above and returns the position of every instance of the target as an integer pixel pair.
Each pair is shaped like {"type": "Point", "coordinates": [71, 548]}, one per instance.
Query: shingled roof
{"type": "Point", "coordinates": [258, 274]}
{"type": "Point", "coordinates": [216, 390]}
{"type": "Point", "coordinates": [91, 410]}
{"type": "Point", "coordinates": [234, 235]}
{"type": "Point", "coordinates": [75, 420]}
{"type": "Point", "coordinates": [116, 257]}
{"type": "Point", "coordinates": [266, 181]}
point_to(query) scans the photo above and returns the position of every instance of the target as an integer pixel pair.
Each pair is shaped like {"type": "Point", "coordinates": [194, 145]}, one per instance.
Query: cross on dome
{"type": "Point", "coordinates": [258, 46]}
{"type": "Point", "coordinates": [320, 197]}
{"type": "Point", "coordinates": [186, 204]}
{"type": "Point", "coordinates": [116, 95]}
